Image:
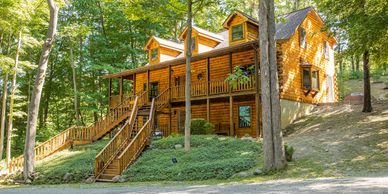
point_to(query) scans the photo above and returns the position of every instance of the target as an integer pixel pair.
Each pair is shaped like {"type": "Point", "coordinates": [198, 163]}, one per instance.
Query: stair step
{"type": "Point", "coordinates": [112, 171]}
{"type": "Point", "coordinates": [107, 176]}
{"type": "Point", "coordinates": [103, 180]}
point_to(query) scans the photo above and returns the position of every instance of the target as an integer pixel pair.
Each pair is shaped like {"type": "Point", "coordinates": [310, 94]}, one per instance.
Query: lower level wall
{"type": "Point", "coordinates": [291, 110]}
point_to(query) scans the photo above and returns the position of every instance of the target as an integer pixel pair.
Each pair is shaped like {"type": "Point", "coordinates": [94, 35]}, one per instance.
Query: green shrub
{"type": "Point", "coordinates": [201, 127]}
{"type": "Point", "coordinates": [289, 151]}
{"type": "Point", "coordinates": [210, 157]}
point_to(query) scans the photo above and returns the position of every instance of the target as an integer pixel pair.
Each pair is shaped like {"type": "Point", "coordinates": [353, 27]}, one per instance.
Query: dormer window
{"type": "Point", "coordinates": [302, 38]}
{"type": "Point", "coordinates": [237, 32]}
{"type": "Point", "coordinates": [154, 54]}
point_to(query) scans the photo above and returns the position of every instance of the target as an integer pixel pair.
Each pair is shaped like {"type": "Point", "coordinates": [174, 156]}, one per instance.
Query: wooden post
{"type": "Point", "coordinates": [121, 81]}
{"type": "Point", "coordinates": [169, 100]}
{"type": "Point", "coordinates": [134, 84]}
{"type": "Point", "coordinates": [148, 84]}
{"type": "Point", "coordinates": [208, 109]}
{"type": "Point", "coordinates": [257, 96]}
{"type": "Point", "coordinates": [110, 91]}
{"type": "Point", "coordinates": [208, 75]}
{"type": "Point", "coordinates": [231, 132]}
{"type": "Point", "coordinates": [230, 70]}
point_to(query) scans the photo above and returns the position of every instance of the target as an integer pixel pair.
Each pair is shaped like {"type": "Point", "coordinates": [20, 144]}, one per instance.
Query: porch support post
{"type": "Point", "coordinates": [134, 84]}
{"type": "Point", "coordinates": [208, 109]}
{"type": "Point", "coordinates": [230, 70]}
{"type": "Point", "coordinates": [121, 81]}
{"type": "Point", "coordinates": [148, 84]}
{"type": "Point", "coordinates": [208, 75]}
{"type": "Point", "coordinates": [110, 91]}
{"type": "Point", "coordinates": [169, 101]}
{"type": "Point", "coordinates": [257, 96]}
{"type": "Point", "coordinates": [231, 116]}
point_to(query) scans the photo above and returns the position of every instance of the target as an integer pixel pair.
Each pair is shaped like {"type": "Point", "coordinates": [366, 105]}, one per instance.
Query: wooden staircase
{"type": "Point", "coordinates": [79, 135]}
{"type": "Point", "coordinates": [130, 141]}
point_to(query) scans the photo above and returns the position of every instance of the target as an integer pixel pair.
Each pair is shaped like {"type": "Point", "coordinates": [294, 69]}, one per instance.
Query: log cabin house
{"type": "Point", "coordinates": [305, 60]}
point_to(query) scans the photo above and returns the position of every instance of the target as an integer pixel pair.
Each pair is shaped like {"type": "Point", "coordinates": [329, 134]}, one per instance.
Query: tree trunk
{"type": "Point", "coordinates": [11, 100]}
{"type": "Point", "coordinates": [76, 108]}
{"type": "Point", "coordinates": [37, 93]}
{"type": "Point", "coordinates": [367, 94]}
{"type": "Point", "coordinates": [188, 76]}
{"type": "Point", "coordinates": [352, 63]}
{"type": "Point", "coordinates": [274, 157]}
{"type": "Point", "coordinates": [357, 62]}
{"type": "Point", "coordinates": [3, 113]}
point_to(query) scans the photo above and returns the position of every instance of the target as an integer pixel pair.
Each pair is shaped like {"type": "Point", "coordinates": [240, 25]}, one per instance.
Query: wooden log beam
{"type": "Point", "coordinates": [231, 116]}
{"type": "Point", "coordinates": [121, 82]}
{"type": "Point", "coordinates": [134, 84]}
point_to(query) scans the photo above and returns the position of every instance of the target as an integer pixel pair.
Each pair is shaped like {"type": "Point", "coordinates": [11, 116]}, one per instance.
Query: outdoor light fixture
{"type": "Point", "coordinates": [174, 160]}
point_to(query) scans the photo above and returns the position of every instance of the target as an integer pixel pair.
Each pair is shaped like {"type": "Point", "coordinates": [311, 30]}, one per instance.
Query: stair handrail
{"type": "Point", "coordinates": [162, 99]}
{"type": "Point", "coordinates": [137, 144]}
{"type": "Point", "coordinates": [114, 114]}
{"type": "Point", "coordinates": [110, 151]}
{"type": "Point", "coordinates": [48, 146]}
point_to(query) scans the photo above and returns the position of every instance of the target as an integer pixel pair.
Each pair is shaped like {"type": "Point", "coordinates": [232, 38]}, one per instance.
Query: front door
{"type": "Point", "coordinates": [181, 121]}
{"type": "Point", "coordinates": [153, 90]}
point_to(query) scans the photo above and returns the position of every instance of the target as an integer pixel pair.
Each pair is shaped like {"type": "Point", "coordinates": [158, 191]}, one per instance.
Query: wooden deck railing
{"type": "Point", "coordinates": [116, 144]}
{"type": "Point", "coordinates": [218, 87]}
{"type": "Point", "coordinates": [78, 135]}
{"type": "Point", "coordinates": [58, 142]}
{"type": "Point", "coordinates": [215, 87]}
{"type": "Point", "coordinates": [137, 144]}
{"type": "Point", "coordinates": [162, 99]}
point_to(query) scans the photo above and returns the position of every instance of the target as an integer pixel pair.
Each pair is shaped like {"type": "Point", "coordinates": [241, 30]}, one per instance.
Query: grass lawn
{"type": "Point", "coordinates": [210, 157]}
{"type": "Point", "coordinates": [79, 161]}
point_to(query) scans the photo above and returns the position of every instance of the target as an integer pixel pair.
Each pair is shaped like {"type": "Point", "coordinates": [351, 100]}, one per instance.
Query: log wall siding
{"type": "Point", "coordinates": [292, 54]}
{"type": "Point", "coordinates": [289, 54]}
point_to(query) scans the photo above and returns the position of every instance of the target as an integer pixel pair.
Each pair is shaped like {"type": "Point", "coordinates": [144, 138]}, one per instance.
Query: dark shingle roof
{"type": "Point", "coordinates": [286, 28]}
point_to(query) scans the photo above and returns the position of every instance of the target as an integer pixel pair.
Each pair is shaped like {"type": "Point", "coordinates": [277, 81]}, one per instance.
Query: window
{"type": "Point", "coordinates": [237, 32]}
{"type": "Point", "coordinates": [244, 116]}
{"type": "Point", "coordinates": [200, 76]}
{"type": "Point", "coordinates": [154, 54]}
{"type": "Point", "coordinates": [177, 81]}
{"type": "Point", "coordinates": [153, 90]}
{"type": "Point", "coordinates": [302, 37]}
{"type": "Point", "coordinates": [310, 77]}
{"type": "Point", "coordinates": [193, 44]}
{"type": "Point", "coordinates": [144, 86]}
{"type": "Point", "coordinates": [326, 47]}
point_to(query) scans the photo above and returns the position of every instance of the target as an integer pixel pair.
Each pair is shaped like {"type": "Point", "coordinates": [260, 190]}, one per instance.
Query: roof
{"type": "Point", "coordinates": [284, 30]}
{"type": "Point", "coordinates": [204, 33]}
{"type": "Point", "coordinates": [166, 43]}
{"type": "Point", "coordinates": [237, 12]}
{"type": "Point", "coordinates": [291, 21]}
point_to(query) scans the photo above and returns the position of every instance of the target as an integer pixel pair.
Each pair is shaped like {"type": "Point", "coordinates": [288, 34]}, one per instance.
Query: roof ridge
{"type": "Point", "coordinates": [285, 14]}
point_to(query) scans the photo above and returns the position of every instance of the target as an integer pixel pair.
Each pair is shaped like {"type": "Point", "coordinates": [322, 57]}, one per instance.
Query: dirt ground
{"type": "Point", "coordinates": [344, 140]}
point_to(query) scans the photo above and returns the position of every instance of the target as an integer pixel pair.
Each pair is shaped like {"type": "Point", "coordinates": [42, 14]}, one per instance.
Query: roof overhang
{"type": "Point", "coordinates": [239, 13]}
{"type": "Point", "coordinates": [216, 37]}
{"type": "Point", "coordinates": [179, 61]}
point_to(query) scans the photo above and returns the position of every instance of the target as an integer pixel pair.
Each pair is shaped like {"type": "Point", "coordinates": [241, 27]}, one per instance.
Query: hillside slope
{"type": "Point", "coordinates": [345, 141]}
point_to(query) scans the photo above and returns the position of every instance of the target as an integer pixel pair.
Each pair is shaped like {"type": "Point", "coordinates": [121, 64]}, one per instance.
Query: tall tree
{"type": "Point", "coordinates": [3, 112]}
{"type": "Point", "coordinates": [188, 74]}
{"type": "Point", "coordinates": [37, 92]}
{"type": "Point", "coordinates": [11, 100]}
{"type": "Point", "coordinates": [364, 22]}
{"type": "Point", "coordinates": [274, 156]}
